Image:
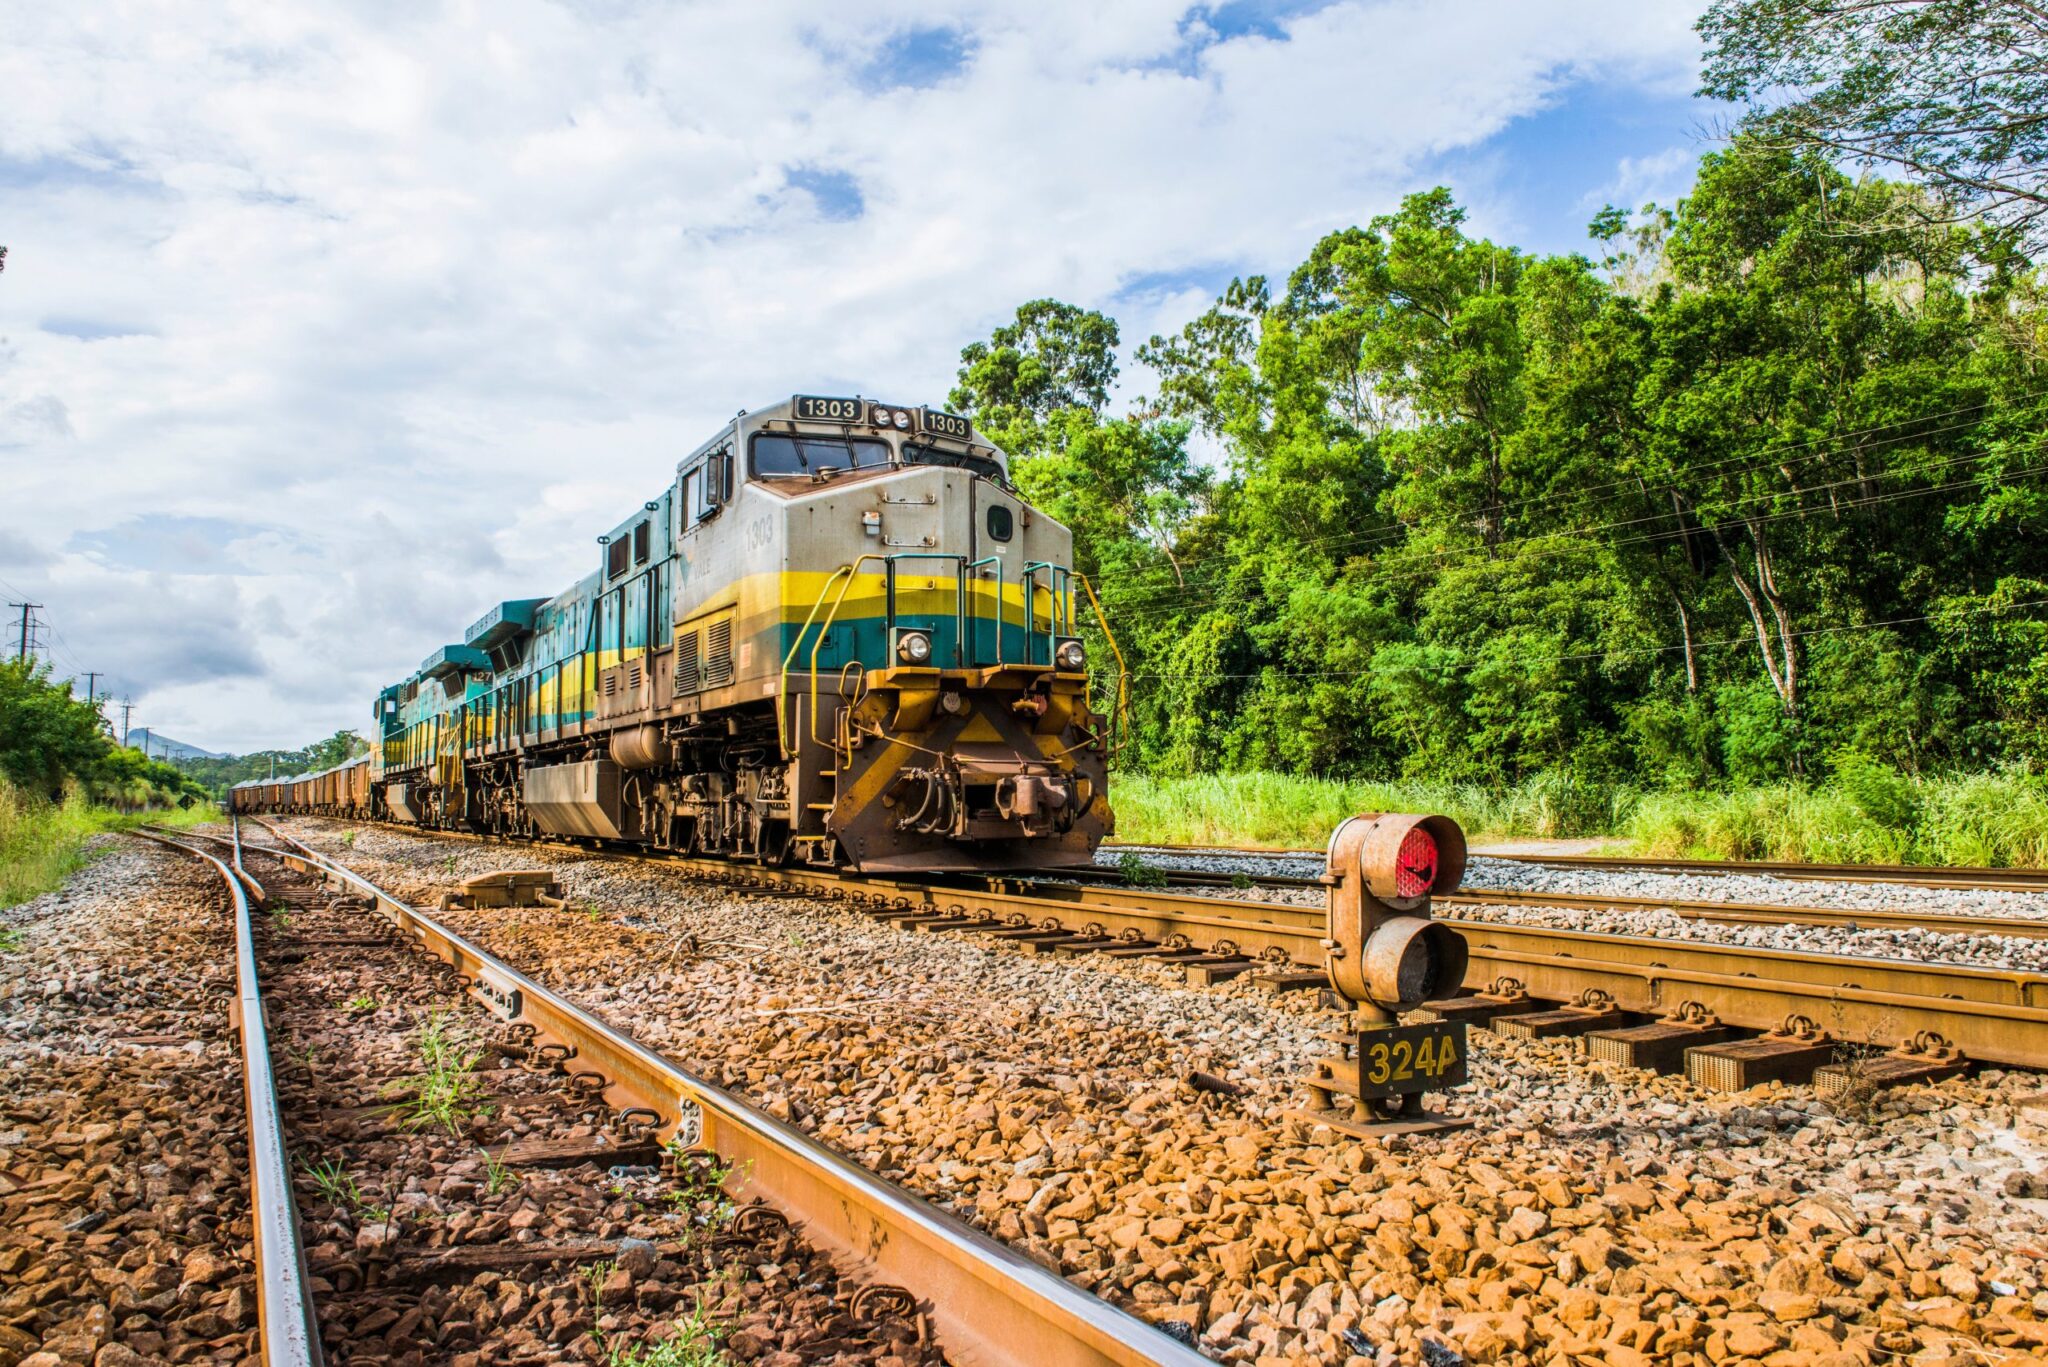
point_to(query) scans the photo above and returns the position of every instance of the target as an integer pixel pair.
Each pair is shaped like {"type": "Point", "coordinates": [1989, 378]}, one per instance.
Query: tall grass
{"type": "Point", "coordinates": [1283, 810]}
{"type": "Point", "coordinates": [1860, 814]}
{"type": "Point", "coordinates": [43, 843]}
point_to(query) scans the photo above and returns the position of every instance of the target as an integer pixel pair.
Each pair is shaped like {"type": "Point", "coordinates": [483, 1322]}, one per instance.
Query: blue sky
{"type": "Point", "coordinates": [328, 324]}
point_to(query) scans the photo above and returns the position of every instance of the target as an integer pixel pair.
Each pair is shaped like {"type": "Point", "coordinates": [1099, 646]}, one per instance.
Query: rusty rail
{"type": "Point", "coordinates": [1992, 1015]}
{"type": "Point", "coordinates": [991, 1304]}
{"type": "Point", "coordinates": [1973, 878]}
{"type": "Point", "coordinates": [1755, 913]}
{"type": "Point", "coordinates": [289, 1328]}
{"type": "Point", "coordinates": [1910, 875]}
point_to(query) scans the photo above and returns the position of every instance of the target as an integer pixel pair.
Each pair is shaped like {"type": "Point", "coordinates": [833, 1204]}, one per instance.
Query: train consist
{"type": "Point", "coordinates": [839, 637]}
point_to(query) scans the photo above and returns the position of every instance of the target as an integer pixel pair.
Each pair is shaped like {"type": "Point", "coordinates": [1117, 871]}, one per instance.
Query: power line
{"type": "Point", "coordinates": [1744, 638]}
{"type": "Point", "coordinates": [1839, 443]}
{"type": "Point", "coordinates": [1433, 559]}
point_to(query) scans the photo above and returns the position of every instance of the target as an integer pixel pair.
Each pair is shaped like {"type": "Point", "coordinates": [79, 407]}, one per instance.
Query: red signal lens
{"type": "Point", "coordinates": [1415, 866]}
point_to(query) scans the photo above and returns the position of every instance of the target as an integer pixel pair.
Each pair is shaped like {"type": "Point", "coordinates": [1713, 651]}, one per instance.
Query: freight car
{"type": "Point", "coordinates": [839, 636]}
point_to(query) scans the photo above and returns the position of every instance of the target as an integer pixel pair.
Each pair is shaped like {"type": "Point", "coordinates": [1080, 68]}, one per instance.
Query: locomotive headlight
{"type": "Point", "coordinates": [901, 420]}
{"type": "Point", "coordinates": [1071, 656]}
{"type": "Point", "coordinates": [913, 647]}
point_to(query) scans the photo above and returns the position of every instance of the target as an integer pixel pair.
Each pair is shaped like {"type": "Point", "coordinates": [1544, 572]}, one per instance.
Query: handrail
{"type": "Point", "coordinates": [1120, 717]}
{"type": "Point", "coordinates": [962, 656]}
{"type": "Point", "coordinates": [782, 678]}
{"type": "Point", "coordinates": [1027, 584]}
{"type": "Point", "coordinates": [973, 613]}
{"type": "Point", "coordinates": [852, 573]}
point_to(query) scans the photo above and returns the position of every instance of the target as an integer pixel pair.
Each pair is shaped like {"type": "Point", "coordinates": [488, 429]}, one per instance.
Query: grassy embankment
{"type": "Point", "coordinates": [43, 844]}
{"type": "Point", "coordinates": [1858, 815]}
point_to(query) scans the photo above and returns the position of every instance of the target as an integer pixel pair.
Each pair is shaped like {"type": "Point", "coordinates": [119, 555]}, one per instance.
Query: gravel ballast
{"type": "Point", "coordinates": [1591, 1213]}
{"type": "Point", "coordinates": [124, 1215]}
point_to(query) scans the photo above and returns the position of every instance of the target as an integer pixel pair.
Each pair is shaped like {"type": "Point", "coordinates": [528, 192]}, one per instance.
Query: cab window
{"type": "Point", "coordinates": [933, 455]}
{"type": "Point", "coordinates": [775, 454]}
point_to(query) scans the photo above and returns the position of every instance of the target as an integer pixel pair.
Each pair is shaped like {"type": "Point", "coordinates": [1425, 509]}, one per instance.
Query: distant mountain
{"type": "Point", "coordinates": [163, 747]}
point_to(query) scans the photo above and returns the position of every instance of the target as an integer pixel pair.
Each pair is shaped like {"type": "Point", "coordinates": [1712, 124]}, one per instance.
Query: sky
{"type": "Point", "coordinates": [325, 327]}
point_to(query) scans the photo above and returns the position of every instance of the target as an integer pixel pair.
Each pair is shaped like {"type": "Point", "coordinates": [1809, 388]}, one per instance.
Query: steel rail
{"type": "Point", "coordinates": [288, 1326]}
{"type": "Point", "coordinates": [1976, 878]}
{"type": "Point", "coordinates": [992, 1305]}
{"type": "Point", "coordinates": [1970, 879]}
{"type": "Point", "coordinates": [1992, 1015]}
{"type": "Point", "coordinates": [1755, 913]}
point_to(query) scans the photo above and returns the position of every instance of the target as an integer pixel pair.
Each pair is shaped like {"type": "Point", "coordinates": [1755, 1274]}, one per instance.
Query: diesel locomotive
{"type": "Point", "coordinates": [838, 637]}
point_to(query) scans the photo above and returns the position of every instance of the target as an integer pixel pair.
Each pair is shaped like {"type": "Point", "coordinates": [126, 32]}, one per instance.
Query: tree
{"type": "Point", "coordinates": [46, 735]}
{"type": "Point", "coordinates": [1051, 358]}
{"type": "Point", "coordinates": [1954, 92]}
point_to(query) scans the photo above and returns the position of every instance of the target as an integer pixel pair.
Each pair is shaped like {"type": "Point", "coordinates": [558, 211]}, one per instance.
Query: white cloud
{"type": "Point", "coordinates": [1658, 178]}
{"type": "Point", "coordinates": [429, 292]}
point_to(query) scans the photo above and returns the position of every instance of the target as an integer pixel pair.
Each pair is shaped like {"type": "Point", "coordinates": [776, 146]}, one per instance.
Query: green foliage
{"type": "Point", "coordinates": [46, 735]}
{"type": "Point", "coordinates": [693, 1341]}
{"type": "Point", "coordinates": [1950, 90]}
{"type": "Point", "coordinates": [1140, 874]}
{"type": "Point", "coordinates": [498, 1176]}
{"type": "Point", "coordinates": [338, 1186]}
{"type": "Point", "coordinates": [446, 1095]}
{"type": "Point", "coordinates": [52, 742]}
{"type": "Point", "coordinates": [1052, 359]}
{"type": "Point", "coordinates": [44, 843]}
{"type": "Point", "coordinates": [1756, 491]}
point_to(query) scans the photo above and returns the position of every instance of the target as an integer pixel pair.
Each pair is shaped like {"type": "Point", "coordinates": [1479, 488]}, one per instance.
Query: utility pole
{"type": "Point", "coordinates": [27, 609]}
{"type": "Point", "coordinates": [91, 694]}
{"type": "Point", "coordinates": [127, 706]}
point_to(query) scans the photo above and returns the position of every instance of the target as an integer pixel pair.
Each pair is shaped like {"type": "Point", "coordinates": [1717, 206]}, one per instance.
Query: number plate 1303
{"type": "Point", "coordinates": [1411, 1058]}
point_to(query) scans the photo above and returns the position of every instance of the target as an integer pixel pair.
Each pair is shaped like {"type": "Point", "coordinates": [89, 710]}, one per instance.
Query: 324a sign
{"type": "Point", "coordinates": [1412, 1058]}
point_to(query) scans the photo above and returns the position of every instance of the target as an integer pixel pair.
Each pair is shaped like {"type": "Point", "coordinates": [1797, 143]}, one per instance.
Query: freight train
{"type": "Point", "coordinates": [838, 637]}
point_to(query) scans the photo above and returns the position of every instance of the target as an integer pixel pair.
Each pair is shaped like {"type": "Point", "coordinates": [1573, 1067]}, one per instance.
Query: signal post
{"type": "Point", "coordinates": [1385, 956]}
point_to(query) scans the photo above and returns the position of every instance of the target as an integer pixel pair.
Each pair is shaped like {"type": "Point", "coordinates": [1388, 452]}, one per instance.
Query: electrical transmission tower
{"type": "Point", "coordinates": [26, 642]}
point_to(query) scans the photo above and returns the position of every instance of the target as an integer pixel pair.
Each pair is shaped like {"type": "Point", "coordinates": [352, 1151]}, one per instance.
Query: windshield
{"type": "Point", "coordinates": [780, 455]}
{"type": "Point", "coordinates": [932, 455]}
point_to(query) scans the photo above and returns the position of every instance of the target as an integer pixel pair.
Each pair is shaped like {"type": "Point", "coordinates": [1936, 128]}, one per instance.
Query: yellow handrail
{"type": "Point", "coordinates": [782, 680]}
{"type": "Point", "coordinates": [1120, 719]}
{"type": "Point", "coordinates": [852, 573]}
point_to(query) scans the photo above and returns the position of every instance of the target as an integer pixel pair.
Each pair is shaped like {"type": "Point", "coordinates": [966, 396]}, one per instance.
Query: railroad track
{"type": "Point", "coordinates": [1989, 1015]}
{"type": "Point", "coordinates": [1972, 879]}
{"type": "Point", "coordinates": [987, 1303]}
{"type": "Point", "coordinates": [1756, 913]}
{"type": "Point", "coordinates": [288, 1327]}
